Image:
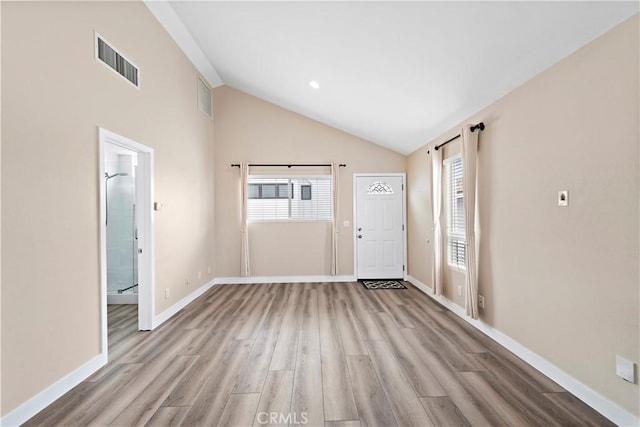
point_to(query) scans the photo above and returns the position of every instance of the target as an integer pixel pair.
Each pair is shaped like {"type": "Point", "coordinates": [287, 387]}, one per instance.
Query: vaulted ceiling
{"type": "Point", "coordinates": [395, 73]}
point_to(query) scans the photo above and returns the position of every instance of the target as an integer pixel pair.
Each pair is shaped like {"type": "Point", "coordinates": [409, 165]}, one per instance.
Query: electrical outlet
{"type": "Point", "coordinates": [480, 301]}
{"type": "Point", "coordinates": [209, 270]}
{"type": "Point", "coordinates": [625, 369]}
{"type": "Point", "coordinates": [459, 290]}
{"type": "Point", "coordinates": [166, 293]}
{"type": "Point", "coordinates": [199, 275]}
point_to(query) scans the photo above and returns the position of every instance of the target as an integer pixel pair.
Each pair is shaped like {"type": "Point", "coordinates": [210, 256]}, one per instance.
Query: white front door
{"type": "Point", "coordinates": [379, 227]}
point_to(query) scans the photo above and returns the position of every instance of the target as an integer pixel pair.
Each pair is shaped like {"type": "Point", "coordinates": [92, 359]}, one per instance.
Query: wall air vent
{"type": "Point", "coordinates": [204, 98]}
{"type": "Point", "coordinates": [118, 63]}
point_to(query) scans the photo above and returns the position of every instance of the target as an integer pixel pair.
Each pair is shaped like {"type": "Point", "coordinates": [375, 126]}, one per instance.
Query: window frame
{"type": "Point", "coordinates": [291, 196]}
{"type": "Point", "coordinates": [277, 187]}
{"type": "Point", "coordinates": [454, 234]}
{"type": "Point", "coordinates": [304, 187]}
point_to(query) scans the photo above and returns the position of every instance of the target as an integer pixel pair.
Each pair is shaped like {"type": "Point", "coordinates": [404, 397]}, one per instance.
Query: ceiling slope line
{"type": "Point", "coordinates": [164, 13]}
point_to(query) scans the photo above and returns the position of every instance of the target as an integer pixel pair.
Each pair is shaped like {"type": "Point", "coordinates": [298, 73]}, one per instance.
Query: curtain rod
{"type": "Point", "coordinates": [237, 165]}
{"type": "Point", "coordinates": [474, 127]}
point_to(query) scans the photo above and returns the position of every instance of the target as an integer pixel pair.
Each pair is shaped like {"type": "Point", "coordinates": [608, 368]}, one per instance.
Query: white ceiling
{"type": "Point", "coordinates": [396, 74]}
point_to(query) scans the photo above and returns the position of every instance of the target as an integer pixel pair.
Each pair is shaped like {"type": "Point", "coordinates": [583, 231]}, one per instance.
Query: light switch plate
{"type": "Point", "coordinates": [346, 224]}
{"type": "Point", "coordinates": [563, 198]}
{"type": "Point", "coordinates": [625, 369]}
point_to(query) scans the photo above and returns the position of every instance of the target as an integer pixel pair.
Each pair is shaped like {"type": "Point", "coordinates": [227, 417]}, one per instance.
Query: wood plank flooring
{"type": "Point", "coordinates": [322, 354]}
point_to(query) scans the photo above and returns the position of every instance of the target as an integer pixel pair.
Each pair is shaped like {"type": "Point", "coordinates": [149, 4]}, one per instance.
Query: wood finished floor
{"type": "Point", "coordinates": [331, 354]}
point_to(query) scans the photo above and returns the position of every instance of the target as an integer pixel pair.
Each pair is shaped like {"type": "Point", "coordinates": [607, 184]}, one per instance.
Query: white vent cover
{"type": "Point", "coordinates": [118, 63]}
{"type": "Point", "coordinates": [204, 98]}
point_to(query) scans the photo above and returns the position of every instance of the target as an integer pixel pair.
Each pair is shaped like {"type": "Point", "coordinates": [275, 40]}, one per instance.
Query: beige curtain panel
{"type": "Point", "coordinates": [472, 229]}
{"type": "Point", "coordinates": [436, 207]}
{"type": "Point", "coordinates": [335, 179]}
{"type": "Point", "coordinates": [245, 269]}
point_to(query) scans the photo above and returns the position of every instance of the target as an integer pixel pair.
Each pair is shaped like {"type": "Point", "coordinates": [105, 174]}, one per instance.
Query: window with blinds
{"type": "Point", "coordinates": [295, 198]}
{"type": "Point", "coordinates": [455, 212]}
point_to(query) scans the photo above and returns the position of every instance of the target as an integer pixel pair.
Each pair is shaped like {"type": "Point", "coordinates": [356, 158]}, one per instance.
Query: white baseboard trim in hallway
{"type": "Point", "coordinates": [127, 298]}
{"type": "Point", "coordinates": [606, 407]}
{"type": "Point", "coordinates": [592, 398]}
{"type": "Point", "coordinates": [254, 280]}
{"type": "Point", "coordinates": [47, 396]}
{"type": "Point", "coordinates": [166, 315]}
{"type": "Point", "coordinates": [43, 399]}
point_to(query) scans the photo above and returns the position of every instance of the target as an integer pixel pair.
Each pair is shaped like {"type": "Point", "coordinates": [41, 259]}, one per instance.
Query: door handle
{"type": "Point", "coordinates": [359, 236]}
{"type": "Point", "coordinates": [359, 228]}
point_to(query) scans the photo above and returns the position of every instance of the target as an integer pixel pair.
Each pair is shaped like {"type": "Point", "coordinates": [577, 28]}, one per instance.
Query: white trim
{"type": "Point", "coordinates": [450, 159]}
{"type": "Point", "coordinates": [128, 298]}
{"type": "Point", "coordinates": [254, 280]}
{"type": "Point", "coordinates": [172, 23]}
{"type": "Point", "coordinates": [144, 212]}
{"type": "Point", "coordinates": [424, 288]}
{"type": "Point", "coordinates": [404, 218]}
{"type": "Point", "coordinates": [595, 400]}
{"type": "Point", "coordinates": [606, 407]}
{"type": "Point", "coordinates": [166, 315]}
{"type": "Point", "coordinates": [47, 396]}
{"type": "Point", "coordinates": [146, 240]}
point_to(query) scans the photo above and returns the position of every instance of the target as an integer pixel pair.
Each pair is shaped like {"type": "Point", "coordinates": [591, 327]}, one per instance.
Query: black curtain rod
{"type": "Point", "coordinates": [473, 128]}
{"type": "Point", "coordinates": [237, 165]}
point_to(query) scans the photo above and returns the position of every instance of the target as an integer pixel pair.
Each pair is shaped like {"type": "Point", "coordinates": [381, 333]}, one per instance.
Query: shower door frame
{"type": "Point", "coordinates": [144, 221]}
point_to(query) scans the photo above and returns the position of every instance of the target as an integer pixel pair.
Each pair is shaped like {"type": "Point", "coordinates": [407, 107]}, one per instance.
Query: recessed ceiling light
{"type": "Point", "coordinates": [314, 84]}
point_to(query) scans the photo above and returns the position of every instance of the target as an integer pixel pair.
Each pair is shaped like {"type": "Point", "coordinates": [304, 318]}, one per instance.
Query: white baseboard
{"type": "Point", "coordinates": [283, 279]}
{"type": "Point", "coordinates": [43, 399]}
{"type": "Point", "coordinates": [166, 315]}
{"type": "Point", "coordinates": [595, 400]}
{"type": "Point", "coordinates": [129, 298]}
{"type": "Point", "coordinates": [606, 407]}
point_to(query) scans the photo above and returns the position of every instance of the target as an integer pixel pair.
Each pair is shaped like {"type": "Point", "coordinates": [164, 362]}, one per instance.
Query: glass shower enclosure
{"type": "Point", "coordinates": [122, 247]}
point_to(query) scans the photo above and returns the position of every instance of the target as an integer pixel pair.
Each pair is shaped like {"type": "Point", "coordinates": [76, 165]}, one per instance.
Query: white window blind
{"type": "Point", "coordinates": [297, 198]}
{"type": "Point", "coordinates": [455, 212]}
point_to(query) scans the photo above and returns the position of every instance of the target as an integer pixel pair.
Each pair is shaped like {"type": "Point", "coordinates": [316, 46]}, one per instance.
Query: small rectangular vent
{"type": "Point", "coordinates": [118, 63]}
{"type": "Point", "coordinates": [204, 98]}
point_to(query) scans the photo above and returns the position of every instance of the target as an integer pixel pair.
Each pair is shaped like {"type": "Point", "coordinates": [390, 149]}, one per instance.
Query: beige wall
{"type": "Point", "coordinates": [251, 130]}
{"type": "Point", "coordinates": [52, 103]}
{"type": "Point", "coordinates": [561, 281]}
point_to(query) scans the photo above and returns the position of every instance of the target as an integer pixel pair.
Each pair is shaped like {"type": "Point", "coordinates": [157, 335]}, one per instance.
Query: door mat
{"type": "Point", "coordinates": [382, 284]}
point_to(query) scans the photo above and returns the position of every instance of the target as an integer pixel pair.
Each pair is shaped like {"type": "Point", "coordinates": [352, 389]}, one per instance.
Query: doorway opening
{"type": "Point", "coordinates": [126, 229]}
{"type": "Point", "coordinates": [120, 221]}
{"type": "Point", "coordinates": [380, 234]}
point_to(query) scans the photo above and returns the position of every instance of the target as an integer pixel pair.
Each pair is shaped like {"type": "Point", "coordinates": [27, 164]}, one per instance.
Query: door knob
{"type": "Point", "coordinates": [359, 236]}
{"type": "Point", "coordinates": [359, 228]}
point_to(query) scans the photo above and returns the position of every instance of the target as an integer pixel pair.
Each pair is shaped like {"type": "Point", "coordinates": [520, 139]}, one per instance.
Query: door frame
{"type": "Point", "coordinates": [144, 216]}
{"type": "Point", "coordinates": [404, 218]}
